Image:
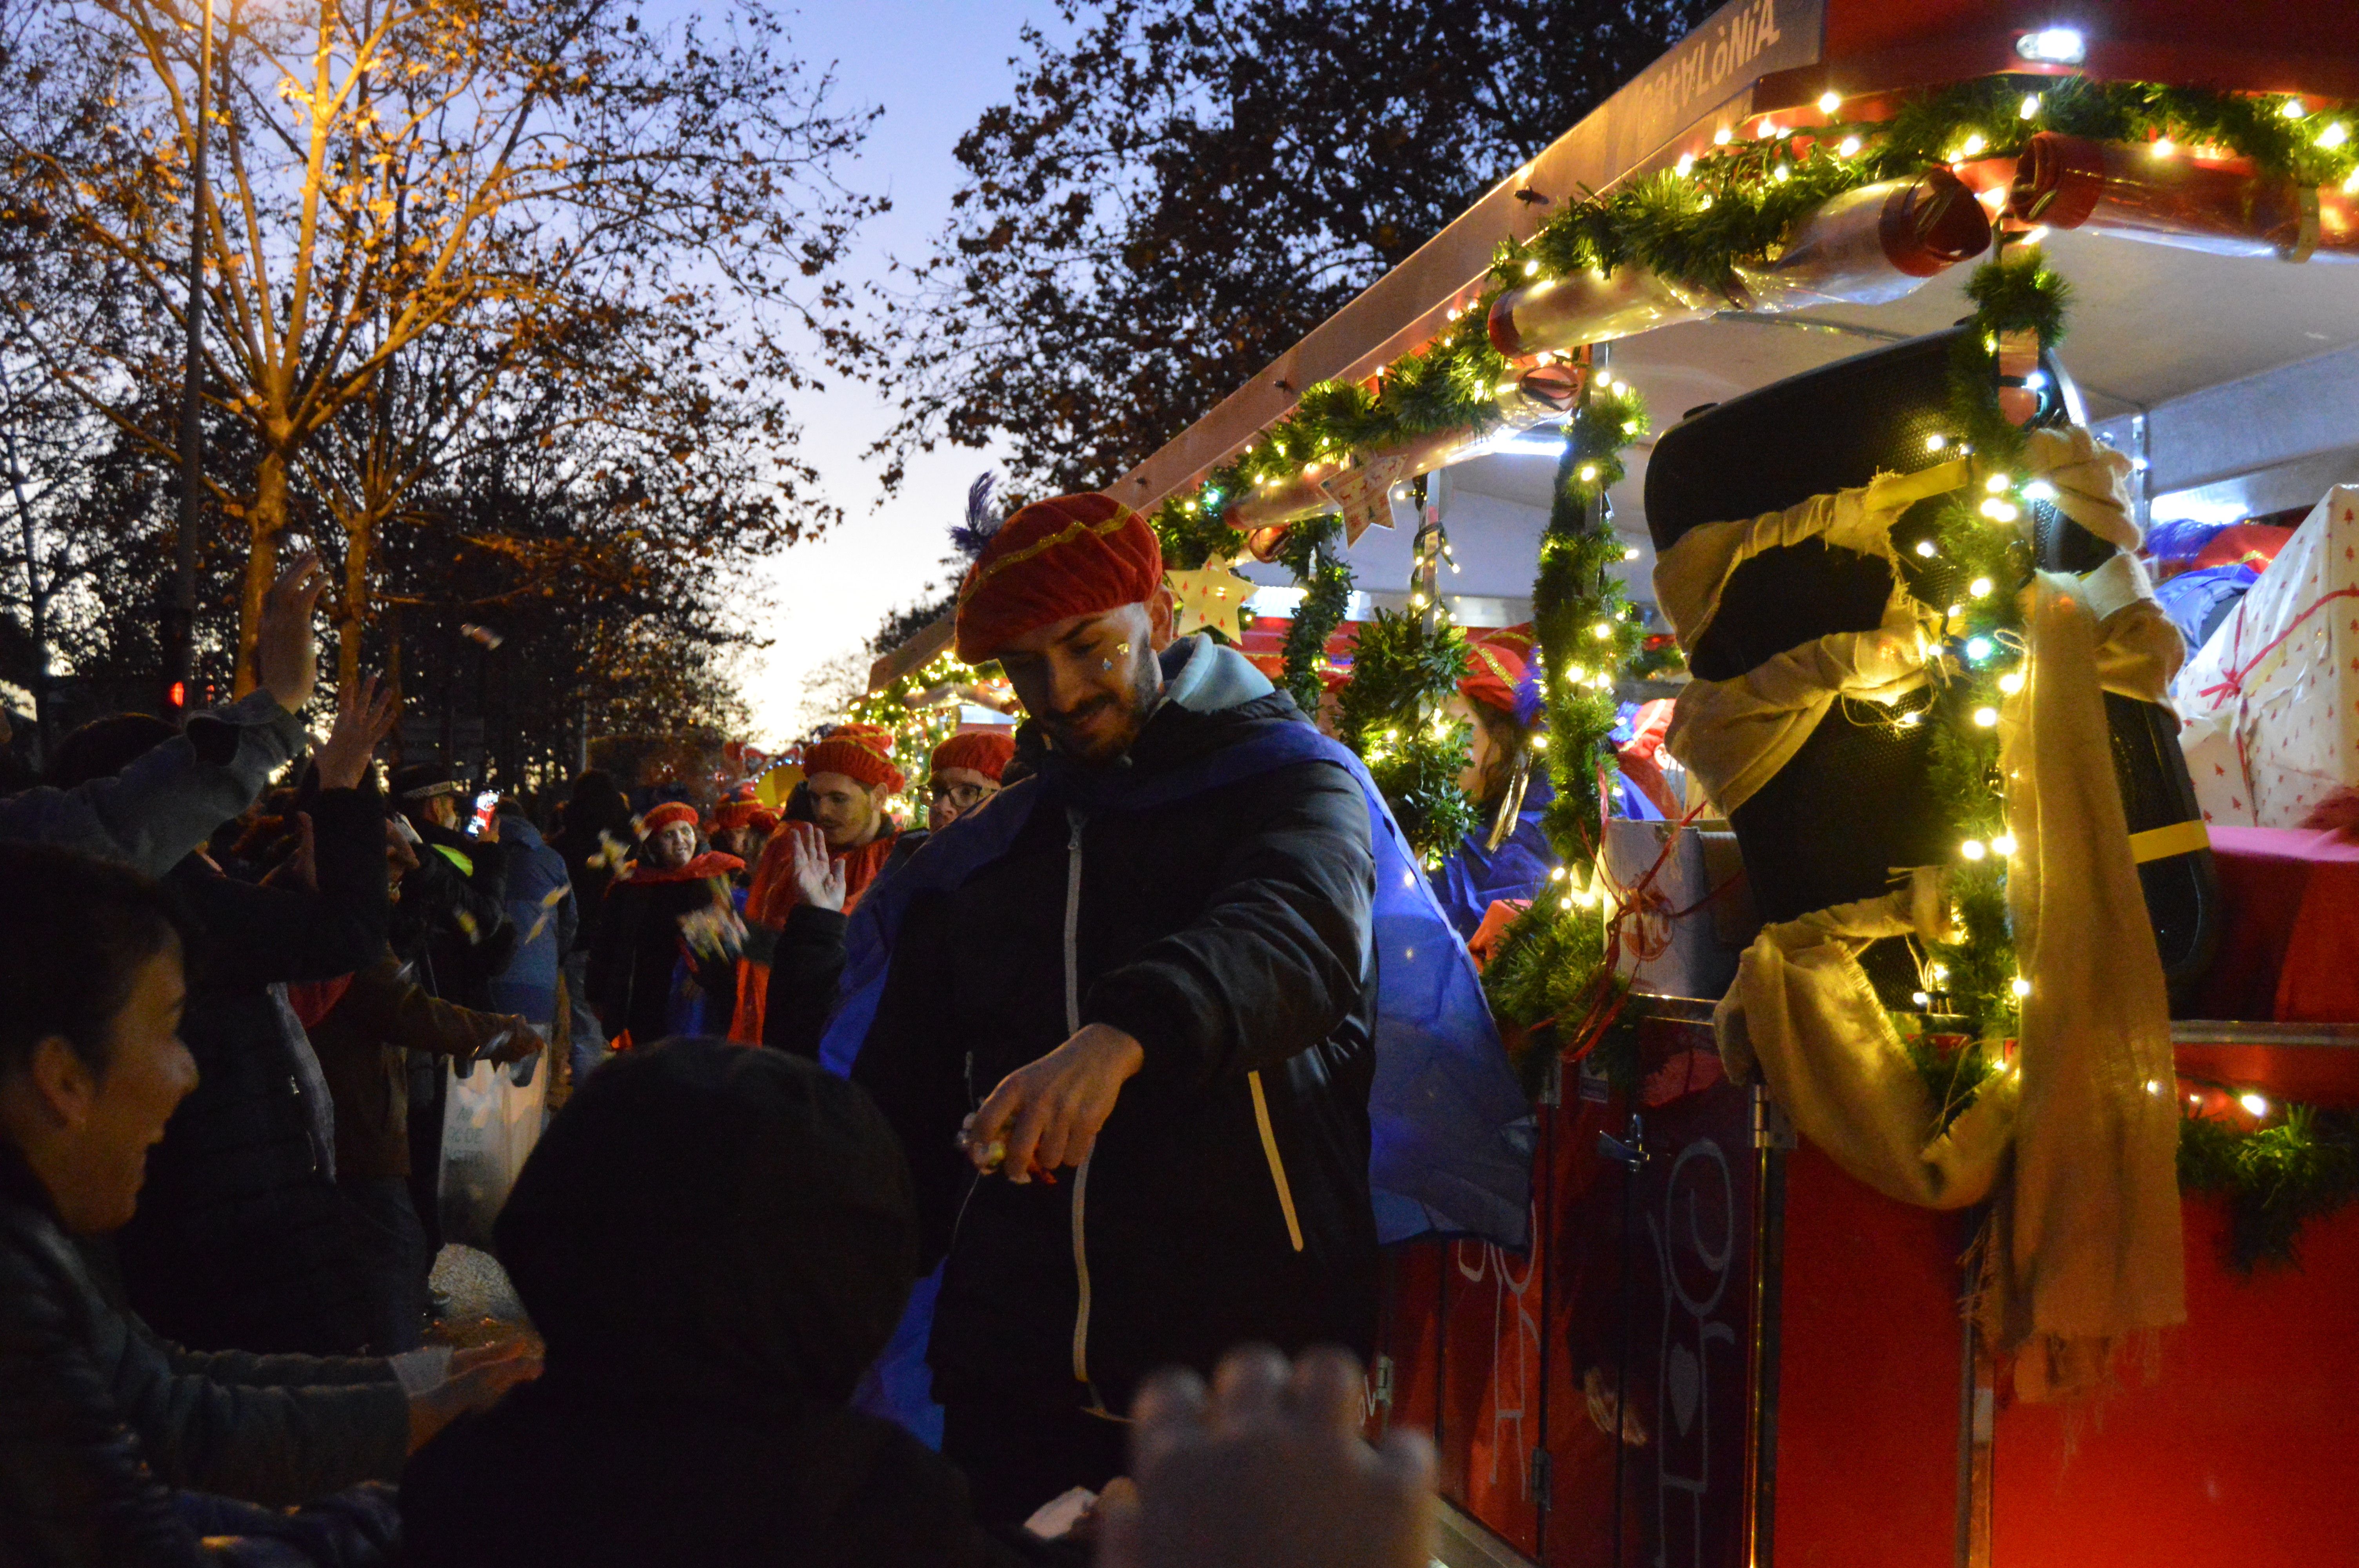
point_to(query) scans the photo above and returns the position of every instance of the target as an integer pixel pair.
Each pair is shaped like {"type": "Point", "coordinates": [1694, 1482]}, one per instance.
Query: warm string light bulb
{"type": "Point", "coordinates": [2020, 987]}
{"type": "Point", "coordinates": [1829, 101]}
{"type": "Point", "coordinates": [1974, 850]}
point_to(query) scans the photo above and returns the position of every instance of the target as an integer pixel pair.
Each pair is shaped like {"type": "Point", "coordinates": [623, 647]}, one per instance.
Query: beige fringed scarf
{"type": "Point", "coordinates": [2084, 1249]}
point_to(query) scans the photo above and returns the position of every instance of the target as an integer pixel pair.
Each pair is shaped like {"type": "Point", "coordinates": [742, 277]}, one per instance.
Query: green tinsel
{"type": "Point", "coordinates": [2275, 1178]}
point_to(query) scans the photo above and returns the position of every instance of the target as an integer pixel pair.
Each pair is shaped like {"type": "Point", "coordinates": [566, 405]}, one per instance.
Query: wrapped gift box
{"type": "Point", "coordinates": [1694, 918]}
{"type": "Point", "coordinates": [2270, 706]}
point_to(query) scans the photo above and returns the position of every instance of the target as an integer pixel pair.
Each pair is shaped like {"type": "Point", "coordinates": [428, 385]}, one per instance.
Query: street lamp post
{"type": "Point", "coordinates": [182, 651]}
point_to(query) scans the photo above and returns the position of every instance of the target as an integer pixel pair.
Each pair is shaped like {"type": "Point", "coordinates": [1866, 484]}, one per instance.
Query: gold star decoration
{"type": "Point", "coordinates": [1212, 598]}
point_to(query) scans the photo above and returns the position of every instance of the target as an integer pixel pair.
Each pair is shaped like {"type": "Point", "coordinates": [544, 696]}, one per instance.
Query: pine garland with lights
{"type": "Point", "coordinates": [1404, 669]}
{"type": "Point", "coordinates": [2276, 1177]}
{"type": "Point", "coordinates": [918, 725]}
{"type": "Point", "coordinates": [1549, 962]}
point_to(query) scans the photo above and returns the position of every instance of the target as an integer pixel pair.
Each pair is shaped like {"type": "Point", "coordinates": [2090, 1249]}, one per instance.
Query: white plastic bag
{"type": "Point", "coordinates": [489, 1125]}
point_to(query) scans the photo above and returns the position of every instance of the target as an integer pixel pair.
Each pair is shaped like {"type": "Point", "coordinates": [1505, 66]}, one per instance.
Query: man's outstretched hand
{"type": "Point", "coordinates": [1048, 1114]}
{"type": "Point", "coordinates": [1268, 1470]}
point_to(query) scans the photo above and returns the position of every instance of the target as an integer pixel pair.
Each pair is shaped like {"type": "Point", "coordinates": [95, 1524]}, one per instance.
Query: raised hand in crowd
{"type": "Point", "coordinates": [478, 1378]}
{"type": "Point", "coordinates": [818, 875]}
{"type": "Point", "coordinates": [364, 718]}
{"type": "Point", "coordinates": [1268, 1469]}
{"type": "Point", "coordinates": [285, 652]}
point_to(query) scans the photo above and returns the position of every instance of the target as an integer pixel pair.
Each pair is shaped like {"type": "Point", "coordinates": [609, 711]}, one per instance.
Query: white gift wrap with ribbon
{"type": "Point", "coordinates": [2270, 706]}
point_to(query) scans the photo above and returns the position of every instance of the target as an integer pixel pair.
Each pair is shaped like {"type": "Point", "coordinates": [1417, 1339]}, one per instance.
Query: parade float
{"type": "Point", "coordinates": [1945, 1121]}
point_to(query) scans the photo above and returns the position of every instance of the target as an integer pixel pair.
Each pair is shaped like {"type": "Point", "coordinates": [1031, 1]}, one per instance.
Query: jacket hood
{"type": "Point", "coordinates": [1204, 676]}
{"type": "Point", "coordinates": [709, 1224]}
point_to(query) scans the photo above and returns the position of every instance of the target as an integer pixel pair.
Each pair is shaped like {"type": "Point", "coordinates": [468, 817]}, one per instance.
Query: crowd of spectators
{"type": "Point", "coordinates": [242, 970]}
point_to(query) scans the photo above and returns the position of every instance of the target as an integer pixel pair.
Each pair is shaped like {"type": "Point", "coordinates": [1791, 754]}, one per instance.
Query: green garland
{"type": "Point", "coordinates": [2275, 1178]}
{"type": "Point", "coordinates": [1404, 669]}
{"type": "Point", "coordinates": [1310, 550]}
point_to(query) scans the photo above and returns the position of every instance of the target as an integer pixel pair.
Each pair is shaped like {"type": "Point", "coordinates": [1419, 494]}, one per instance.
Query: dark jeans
{"type": "Point", "coordinates": [392, 1244]}
{"type": "Point", "coordinates": [1018, 1456]}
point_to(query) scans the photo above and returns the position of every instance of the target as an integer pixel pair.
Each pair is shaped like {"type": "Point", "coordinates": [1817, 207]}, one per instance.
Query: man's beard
{"type": "Point", "coordinates": [1146, 686]}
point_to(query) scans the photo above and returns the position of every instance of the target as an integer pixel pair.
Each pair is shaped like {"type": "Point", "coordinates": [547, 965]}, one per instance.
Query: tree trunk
{"type": "Point", "coordinates": [351, 617]}
{"type": "Point", "coordinates": [267, 523]}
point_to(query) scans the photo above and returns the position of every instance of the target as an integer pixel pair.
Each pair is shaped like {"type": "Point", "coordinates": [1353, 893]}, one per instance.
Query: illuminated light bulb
{"type": "Point", "coordinates": [2164, 147]}
{"type": "Point", "coordinates": [1979, 648]}
{"type": "Point", "coordinates": [1588, 473]}
{"type": "Point", "coordinates": [1972, 850]}
{"type": "Point", "coordinates": [1417, 601]}
{"type": "Point", "coordinates": [1705, 205]}
{"type": "Point", "coordinates": [1974, 144]}
{"type": "Point", "coordinates": [1556, 874]}
{"type": "Point", "coordinates": [2334, 136]}
{"type": "Point", "coordinates": [2021, 988]}
{"type": "Point", "coordinates": [1539, 742]}
{"type": "Point", "coordinates": [1992, 509]}
{"type": "Point", "coordinates": [2195, 1099]}
{"type": "Point", "coordinates": [1567, 904]}
{"type": "Point", "coordinates": [1722, 137]}
{"type": "Point", "coordinates": [2351, 186]}
{"type": "Point", "coordinates": [1848, 147]}
{"type": "Point", "coordinates": [1685, 166]}
{"type": "Point", "coordinates": [2039, 490]}
{"type": "Point", "coordinates": [2054, 45]}
{"type": "Point", "coordinates": [1772, 131]}
{"type": "Point", "coordinates": [1924, 548]}
{"type": "Point", "coordinates": [1576, 674]}
{"type": "Point", "coordinates": [1829, 101]}
{"type": "Point", "coordinates": [2293, 108]}
{"type": "Point", "coordinates": [2011, 683]}
{"type": "Point", "coordinates": [1996, 484]}
{"type": "Point", "coordinates": [2257, 1103]}
{"type": "Point", "coordinates": [2030, 110]}
{"type": "Point", "coordinates": [1605, 381]}
{"type": "Point", "coordinates": [1956, 611]}
{"type": "Point", "coordinates": [1922, 1000]}
{"type": "Point", "coordinates": [2002, 845]}
{"type": "Point", "coordinates": [1939, 972]}
{"type": "Point", "coordinates": [1632, 553]}
{"type": "Point", "coordinates": [1986, 718]}
{"type": "Point", "coordinates": [1603, 630]}
{"type": "Point", "coordinates": [1781, 174]}
{"type": "Point", "coordinates": [1935, 443]}
{"type": "Point", "coordinates": [1980, 588]}
{"type": "Point", "coordinates": [1910, 720]}
{"type": "Point", "coordinates": [2035, 380]}
{"type": "Point", "coordinates": [1188, 507]}
{"type": "Point", "coordinates": [2003, 511]}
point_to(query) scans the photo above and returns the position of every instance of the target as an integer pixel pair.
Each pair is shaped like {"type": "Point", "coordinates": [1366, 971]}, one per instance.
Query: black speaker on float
{"type": "Point", "coordinates": [1855, 802]}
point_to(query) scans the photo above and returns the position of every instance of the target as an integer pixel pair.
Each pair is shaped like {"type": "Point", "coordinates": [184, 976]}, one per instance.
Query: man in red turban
{"type": "Point", "coordinates": [1141, 978]}
{"type": "Point", "coordinates": [849, 776]}
{"type": "Point", "coordinates": [808, 957]}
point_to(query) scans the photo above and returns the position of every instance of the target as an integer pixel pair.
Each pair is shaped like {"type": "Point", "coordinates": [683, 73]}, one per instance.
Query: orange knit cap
{"type": "Point", "coordinates": [664, 816]}
{"type": "Point", "coordinates": [987, 751]}
{"type": "Point", "coordinates": [862, 752]}
{"type": "Point", "coordinates": [1077, 554]}
{"type": "Point", "coordinates": [735, 814]}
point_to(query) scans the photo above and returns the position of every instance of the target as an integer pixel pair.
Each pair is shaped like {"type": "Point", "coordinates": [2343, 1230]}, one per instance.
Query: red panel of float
{"type": "Point", "coordinates": [1781, 1354]}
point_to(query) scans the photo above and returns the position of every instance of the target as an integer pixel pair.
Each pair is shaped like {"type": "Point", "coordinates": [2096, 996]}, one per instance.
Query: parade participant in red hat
{"type": "Point", "coordinates": [964, 773]}
{"type": "Point", "coordinates": [1508, 857]}
{"type": "Point", "coordinates": [665, 958]}
{"type": "Point", "coordinates": [808, 959]}
{"type": "Point", "coordinates": [741, 827]}
{"type": "Point", "coordinates": [848, 776]}
{"type": "Point", "coordinates": [1151, 998]}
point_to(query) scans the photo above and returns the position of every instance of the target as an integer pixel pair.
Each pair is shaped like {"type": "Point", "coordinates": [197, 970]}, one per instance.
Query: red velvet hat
{"type": "Point", "coordinates": [984, 750]}
{"type": "Point", "coordinates": [1493, 670]}
{"type": "Point", "coordinates": [862, 752]}
{"type": "Point", "coordinates": [1077, 554]}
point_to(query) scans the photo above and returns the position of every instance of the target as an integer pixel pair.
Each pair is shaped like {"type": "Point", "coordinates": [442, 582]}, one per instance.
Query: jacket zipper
{"type": "Point", "coordinates": [1276, 1165]}
{"type": "Point", "coordinates": [1080, 1174]}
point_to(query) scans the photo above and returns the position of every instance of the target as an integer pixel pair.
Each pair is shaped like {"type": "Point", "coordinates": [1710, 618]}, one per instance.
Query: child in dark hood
{"type": "Point", "coordinates": [715, 1243]}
